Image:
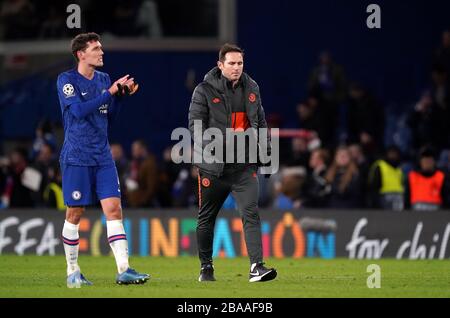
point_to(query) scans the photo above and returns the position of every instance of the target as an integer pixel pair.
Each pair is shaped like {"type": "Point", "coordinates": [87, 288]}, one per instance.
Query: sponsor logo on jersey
{"type": "Point", "coordinates": [103, 109]}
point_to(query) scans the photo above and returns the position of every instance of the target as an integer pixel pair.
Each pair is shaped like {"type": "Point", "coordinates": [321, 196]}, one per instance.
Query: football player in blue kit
{"type": "Point", "coordinates": [88, 102]}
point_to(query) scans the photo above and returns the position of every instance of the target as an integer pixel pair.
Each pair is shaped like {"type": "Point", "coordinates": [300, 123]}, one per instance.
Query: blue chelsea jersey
{"type": "Point", "coordinates": [85, 139]}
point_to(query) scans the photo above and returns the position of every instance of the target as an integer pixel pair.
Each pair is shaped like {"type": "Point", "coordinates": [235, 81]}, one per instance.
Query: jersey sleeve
{"type": "Point", "coordinates": [69, 98]}
{"type": "Point", "coordinates": [68, 92]}
{"type": "Point", "coordinates": [116, 103]}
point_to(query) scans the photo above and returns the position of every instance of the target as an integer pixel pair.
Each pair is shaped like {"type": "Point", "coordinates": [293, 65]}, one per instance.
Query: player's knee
{"type": "Point", "coordinates": [113, 211]}
{"type": "Point", "coordinates": [250, 214]}
{"type": "Point", "coordinates": [202, 226]}
{"type": "Point", "coordinates": [250, 209]}
{"type": "Point", "coordinates": [73, 214]}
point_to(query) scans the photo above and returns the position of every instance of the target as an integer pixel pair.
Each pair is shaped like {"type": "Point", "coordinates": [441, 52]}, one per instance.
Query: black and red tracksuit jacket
{"type": "Point", "coordinates": [212, 106]}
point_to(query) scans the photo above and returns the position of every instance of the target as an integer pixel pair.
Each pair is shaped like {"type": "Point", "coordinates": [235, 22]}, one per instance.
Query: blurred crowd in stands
{"type": "Point", "coordinates": [352, 166]}
{"type": "Point", "coordinates": [22, 19]}
{"type": "Point", "coordinates": [337, 158]}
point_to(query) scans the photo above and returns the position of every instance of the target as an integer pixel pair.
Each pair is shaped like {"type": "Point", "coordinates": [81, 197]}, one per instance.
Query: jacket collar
{"type": "Point", "coordinates": [215, 79]}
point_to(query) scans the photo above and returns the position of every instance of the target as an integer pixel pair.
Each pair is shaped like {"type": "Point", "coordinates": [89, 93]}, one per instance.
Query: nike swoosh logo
{"type": "Point", "coordinates": [83, 93]}
{"type": "Point", "coordinates": [255, 274]}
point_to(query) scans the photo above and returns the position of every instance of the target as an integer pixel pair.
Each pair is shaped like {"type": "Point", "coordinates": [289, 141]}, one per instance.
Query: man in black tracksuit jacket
{"type": "Point", "coordinates": [229, 98]}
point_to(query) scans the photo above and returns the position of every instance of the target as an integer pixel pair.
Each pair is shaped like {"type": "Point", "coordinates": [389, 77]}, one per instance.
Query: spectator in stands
{"type": "Point", "coordinates": [168, 175]}
{"type": "Point", "coordinates": [121, 163]}
{"type": "Point", "coordinates": [328, 116]}
{"type": "Point", "coordinates": [185, 188]}
{"type": "Point", "coordinates": [365, 120]}
{"type": "Point", "coordinates": [1, 132]}
{"type": "Point", "coordinates": [53, 195]}
{"type": "Point", "coordinates": [125, 14]}
{"type": "Point", "coordinates": [344, 178]}
{"type": "Point", "coordinates": [427, 187]}
{"type": "Point", "coordinates": [142, 182]}
{"type": "Point", "coordinates": [4, 162]}
{"type": "Point", "coordinates": [423, 123]}
{"type": "Point", "coordinates": [444, 165]}
{"type": "Point", "coordinates": [313, 116]}
{"type": "Point", "coordinates": [18, 19]}
{"type": "Point", "coordinates": [289, 194]}
{"type": "Point", "coordinates": [148, 22]}
{"type": "Point", "coordinates": [327, 80]}
{"type": "Point", "coordinates": [386, 181]}
{"type": "Point", "coordinates": [440, 91]}
{"type": "Point", "coordinates": [266, 190]}
{"type": "Point", "coordinates": [316, 188]}
{"type": "Point", "coordinates": [15, 193]}
{"type": "Point", "coordinates": [328, 85]}
{"type": "Point", "coordinates": [54, 25]}
{"type": "Point", "coordinates": [442, 55]}
{"type": "Point", "coordinates": [428, 122]}
{"type": "Point", "coordinates": [170, 168]}
{"type": "Point", "coordinates": [299, 154]}
{"type": "Point", "coordinates": [444, 161]}
{"type": "Point", "coordinates": [440, 86]}
{"type": "Point", "coordinates": [44, 135]}
{"type": "Point", "coordinates": [357, 155]}
{"type": "Point", "coordinates": [47, 165]}
{"type": "Point", "coordinates": [308, 115]}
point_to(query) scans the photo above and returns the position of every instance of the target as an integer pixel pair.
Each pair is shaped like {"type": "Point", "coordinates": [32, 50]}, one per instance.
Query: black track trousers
{"type": "Point", "coordinates": [212, 194]}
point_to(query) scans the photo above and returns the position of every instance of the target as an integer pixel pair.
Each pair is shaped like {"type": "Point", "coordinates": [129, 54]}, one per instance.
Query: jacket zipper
{"type": "Point", "coordinates": [229, 112]}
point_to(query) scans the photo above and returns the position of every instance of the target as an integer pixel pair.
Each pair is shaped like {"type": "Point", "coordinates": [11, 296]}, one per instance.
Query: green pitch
{"type": "Point", "coordinates": [44, 276]}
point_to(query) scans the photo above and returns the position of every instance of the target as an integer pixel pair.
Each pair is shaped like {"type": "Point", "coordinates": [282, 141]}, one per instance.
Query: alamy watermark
{"type": "Point", "coordinates": [73, 21]}
{"type": "Point", "coordinates": [211, 145]}
{"type": "Point", "coordinates": [374, 279]}
{"type": "Point", "coordinates": [374, 19]}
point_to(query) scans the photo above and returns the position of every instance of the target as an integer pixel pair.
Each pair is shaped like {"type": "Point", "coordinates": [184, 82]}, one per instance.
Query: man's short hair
{"type": "Point", "coordinates": [226, 48]}
{"type": "Point", "coordinates": [80, 42]}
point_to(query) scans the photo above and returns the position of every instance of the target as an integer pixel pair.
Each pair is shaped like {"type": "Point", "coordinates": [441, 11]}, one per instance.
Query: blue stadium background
{"type": "Point", "coordinates": [282, 40]}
